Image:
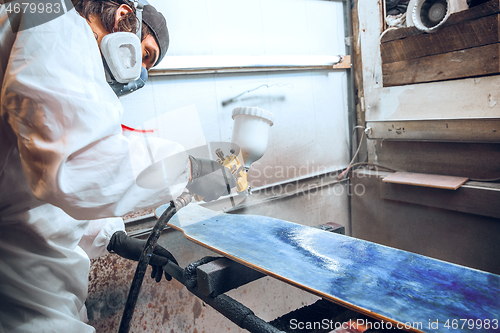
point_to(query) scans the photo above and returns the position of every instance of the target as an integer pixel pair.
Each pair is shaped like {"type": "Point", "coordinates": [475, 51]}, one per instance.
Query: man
{"type": "Point", "coordinates": [155, 38]}
{"type": "Point", "coordinates": [64, 162]}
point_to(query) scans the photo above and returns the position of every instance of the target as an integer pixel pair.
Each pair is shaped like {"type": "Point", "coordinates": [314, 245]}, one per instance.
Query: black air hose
{"type": "Point", "coordinates": [140, 271]}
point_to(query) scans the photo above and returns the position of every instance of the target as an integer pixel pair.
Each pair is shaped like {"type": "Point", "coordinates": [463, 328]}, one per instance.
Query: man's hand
{"type": "Point", "coordinates": [209, 179]}
{"type": "Point", "coordinates": [131, 248]}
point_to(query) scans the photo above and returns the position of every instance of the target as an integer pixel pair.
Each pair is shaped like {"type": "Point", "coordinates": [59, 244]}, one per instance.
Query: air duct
{"type": "Point", "coordinates": [429, 15]}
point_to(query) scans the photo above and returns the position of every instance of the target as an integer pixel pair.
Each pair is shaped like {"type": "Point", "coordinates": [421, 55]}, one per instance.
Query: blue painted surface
{"type": "Point", "coordinates": [395, 284]}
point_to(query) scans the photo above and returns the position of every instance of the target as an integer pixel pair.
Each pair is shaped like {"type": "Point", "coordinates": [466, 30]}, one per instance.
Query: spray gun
{"type": "Point", "coordinates": [237, 169]}
{"type": "Point", "coordinates": [232, 163]}
{"type": "Point", "coordinates": [250, 134]}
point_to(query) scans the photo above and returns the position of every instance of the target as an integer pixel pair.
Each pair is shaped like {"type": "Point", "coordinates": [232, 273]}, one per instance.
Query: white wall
{"type": "Point", "coordinates": [310, 134]}
{"type": "Point", "coordinates": [260, 27]}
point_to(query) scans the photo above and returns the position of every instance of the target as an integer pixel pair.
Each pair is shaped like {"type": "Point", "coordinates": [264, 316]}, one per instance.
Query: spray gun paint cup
{"type": "Point", "coordinates": [251, 132]}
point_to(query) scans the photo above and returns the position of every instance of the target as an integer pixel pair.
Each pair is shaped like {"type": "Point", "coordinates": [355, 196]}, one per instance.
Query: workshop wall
{"type": "Point", "coordinates": [443, 233]}
{"type": "Point", "coordinates": [310, 135]}
{"type": "Point", "coordinates": [465, 98]}
{"type": "Point", "coordinates": [272, 27]}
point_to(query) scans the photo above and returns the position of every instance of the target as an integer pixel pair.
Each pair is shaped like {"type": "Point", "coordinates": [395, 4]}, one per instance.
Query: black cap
{"type": "Point", "coordinates": [158, 25]}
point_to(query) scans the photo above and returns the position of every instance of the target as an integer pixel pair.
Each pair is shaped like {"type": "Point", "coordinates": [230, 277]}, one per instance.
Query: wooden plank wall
{"type": "Point", "coordinates": [467, 46]}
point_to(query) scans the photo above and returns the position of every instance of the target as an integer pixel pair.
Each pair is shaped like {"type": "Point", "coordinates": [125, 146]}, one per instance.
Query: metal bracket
{"type": "Point", "coordinates": [221, 275]}
{"type": "Point", "coordinates": [332, 227]}
{"type": "Point", "coordinates": [225, 305]}
{"type": "Point", "coordinates": [439, 130]}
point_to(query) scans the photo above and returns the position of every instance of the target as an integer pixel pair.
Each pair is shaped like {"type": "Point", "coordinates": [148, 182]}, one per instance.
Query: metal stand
{"type": "Point", "coordinates": [227, 306]}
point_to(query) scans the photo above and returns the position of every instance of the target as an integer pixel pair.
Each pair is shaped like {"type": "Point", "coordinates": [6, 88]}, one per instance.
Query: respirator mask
{"type": "Point", "coordinates": [123, 59]}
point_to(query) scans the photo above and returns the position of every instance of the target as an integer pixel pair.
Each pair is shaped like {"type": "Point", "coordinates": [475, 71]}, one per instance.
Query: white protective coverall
{"type": "Point", "coordinates": [63, 162]}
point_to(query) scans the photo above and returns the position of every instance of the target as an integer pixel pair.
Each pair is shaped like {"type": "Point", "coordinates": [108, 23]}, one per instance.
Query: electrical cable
{"type": "Point", "coordinates": [355, 165]}
{"type": "Point", "coordinates": [352, 164]}
{"type": "Point", "coordinates": [374, 165]}
{"type": "Point", "coordinates": [375, 64]}
{"type": "Point", "coordinates": [485, 180]}
{"type": "Point", "coordinates": [355, 155]}
{"type": "Point", "coordinates": [369, 104]}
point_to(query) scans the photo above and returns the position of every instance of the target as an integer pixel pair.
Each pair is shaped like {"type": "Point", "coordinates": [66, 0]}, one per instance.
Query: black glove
{"type": "Point", "coordinates": [209, 179]}
{"type": "Point", "coordinates": [131, 248]}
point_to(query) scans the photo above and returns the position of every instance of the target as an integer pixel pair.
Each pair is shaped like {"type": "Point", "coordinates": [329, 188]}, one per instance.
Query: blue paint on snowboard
{"type": "Point", "coordinates": [382, 282]}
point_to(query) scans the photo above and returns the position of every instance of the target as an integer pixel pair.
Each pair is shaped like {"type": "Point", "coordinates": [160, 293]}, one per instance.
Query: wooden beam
{"type": "Point", "coordinates": [467, 34]}
{"type": "Point", "coordinates": [439, 130]}
{"type": "Point", "coordinates": [478, 61]}
{"type": "Point", "coordinates": [489, 8]}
